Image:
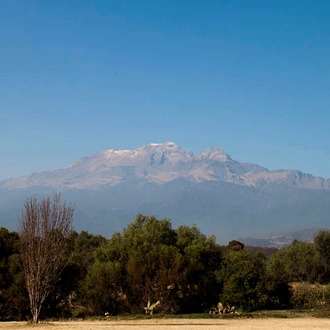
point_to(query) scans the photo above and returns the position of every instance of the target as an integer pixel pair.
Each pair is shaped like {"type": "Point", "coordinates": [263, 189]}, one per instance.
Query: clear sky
{"type": "Point", "coordinates": [81, 76]}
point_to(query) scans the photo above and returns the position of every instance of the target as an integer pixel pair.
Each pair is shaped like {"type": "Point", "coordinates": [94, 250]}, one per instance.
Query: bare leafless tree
{"type": "Point", "coordinates": [45, 227]}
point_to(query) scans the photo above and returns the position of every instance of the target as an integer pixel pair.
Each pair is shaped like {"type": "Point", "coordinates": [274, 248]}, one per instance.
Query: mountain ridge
{"type": "Point", "coordinates": [161, 163]}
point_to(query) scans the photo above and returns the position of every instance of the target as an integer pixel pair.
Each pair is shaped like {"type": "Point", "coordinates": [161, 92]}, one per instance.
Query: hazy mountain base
{"type": "Point", "coordinates": [227, 210]}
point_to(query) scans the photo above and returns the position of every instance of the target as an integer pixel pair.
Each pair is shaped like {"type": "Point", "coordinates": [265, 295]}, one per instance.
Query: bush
{"type": "Point", "coordinates": [308, 296]}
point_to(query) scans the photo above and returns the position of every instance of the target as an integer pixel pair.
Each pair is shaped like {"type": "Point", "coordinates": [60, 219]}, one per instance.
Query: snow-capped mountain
{"type": "Point", "coordinates": [162, 163]}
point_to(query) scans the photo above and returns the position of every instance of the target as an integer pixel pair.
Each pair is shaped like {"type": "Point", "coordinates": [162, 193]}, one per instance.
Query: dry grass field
{"type": "Point", "coordinates": [180, 324]}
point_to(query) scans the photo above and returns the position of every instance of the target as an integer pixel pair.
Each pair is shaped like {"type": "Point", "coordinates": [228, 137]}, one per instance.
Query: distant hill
{"type": "Point", "coordinates": [221, 195]}
{"type": "Point", "coordinates": [278, 241]}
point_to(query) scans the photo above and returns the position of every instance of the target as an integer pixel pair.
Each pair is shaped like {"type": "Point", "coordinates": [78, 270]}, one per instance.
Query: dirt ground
{"type": "Point", "coordinates": [173, 324]}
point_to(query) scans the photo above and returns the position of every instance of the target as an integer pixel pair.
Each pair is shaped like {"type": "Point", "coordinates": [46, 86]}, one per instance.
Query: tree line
{"type": "Point", "coordinates": [48, 270]}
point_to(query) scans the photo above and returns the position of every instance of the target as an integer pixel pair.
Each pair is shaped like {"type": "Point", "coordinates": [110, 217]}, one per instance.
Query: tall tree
{"type": "Point", "coordinates": [243, 278]}
{"type": "Point", "coordinates": [322, 243]}
{"type": "Point", "coordinates": [45, 228]}
{"type": "Point", "coordinates": [201, 259]}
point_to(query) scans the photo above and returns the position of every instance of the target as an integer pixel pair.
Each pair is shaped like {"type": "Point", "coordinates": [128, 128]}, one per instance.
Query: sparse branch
{"type": "Point", "coordinates": [45, 227]}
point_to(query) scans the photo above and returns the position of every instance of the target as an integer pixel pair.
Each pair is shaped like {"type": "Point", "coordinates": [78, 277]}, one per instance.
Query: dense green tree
{"type": "Point", "coordinates": [135, 266]}
{"type": "Point", "coordinates": [243, 278]}
{"type": "Point", "coordinates": [201, 258]}
{"type": "Point", "coordinates": [277, 284]}
{"type": "Point", "coordinates": [150, 261]}
{"type": "Point", "coordinates": [70, 289]}
{"type": "Point", "coordinates": [106, 283]}
{"type": "Point", "coordinates": [13, 295]}
{"type": "Point", "coordinates": [103, 292]}
{"type": "Point", "coordinates": [322, 244]}
{"type": "Point", "coordinates": [300, 261]}
{"type": "Point", "coordinates": [84, 246]}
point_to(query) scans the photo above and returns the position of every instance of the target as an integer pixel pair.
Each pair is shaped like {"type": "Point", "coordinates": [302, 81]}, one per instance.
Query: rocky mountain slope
{"type": "Point", "coordinates": [163, 163]}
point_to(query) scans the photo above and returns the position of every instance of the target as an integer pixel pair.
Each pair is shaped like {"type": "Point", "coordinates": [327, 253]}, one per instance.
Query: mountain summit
{"type": "Point", "coordinates": [162, 163]}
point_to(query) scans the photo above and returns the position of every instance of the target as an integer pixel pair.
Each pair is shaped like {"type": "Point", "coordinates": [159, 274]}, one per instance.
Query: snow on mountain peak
{"type": "Point", "coordinates": [215, 153]}
{"type": "Point", "coordinates": [170, 144]}
{"type": "Point", "coordinates": [166, 144]}
{"type": "Point", "coordinates": [111, 152]}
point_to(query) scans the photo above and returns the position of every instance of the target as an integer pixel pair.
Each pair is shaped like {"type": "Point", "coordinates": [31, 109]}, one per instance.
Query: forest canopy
{"type": "Point", "coordinates": [152, 267]}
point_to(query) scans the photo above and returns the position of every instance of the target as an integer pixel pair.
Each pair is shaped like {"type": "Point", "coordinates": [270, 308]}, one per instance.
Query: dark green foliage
{"type": "Point", "coordinates": [277, 285]}
{"type": "Point", "coordinates": [152, 261]}
{"type": "Point", "coordinates": [298, 262]}
{"type": "Point", "coordinates": [70, 289]}
{"type": "Point", "coordinates": [14, 301]}
{"type": "Point", "coordinates": [322, 244]}
{"type": "Point", "coordinates": [186, 271]}
{"type": "Point", "coordinates": [243, 278]}
{"type": "Point", "coordinates": [267, 251]}
{"type": "Point", "coordinates": [82, 259]}
{"type": "Point", "coordinates": [234, 246]}
{"type": "Point", "coordinates": [248, 284]}
{"type": "Point", "coordinates": [201, 257]}
{"type": "Point", "coordinates": [134, 266]}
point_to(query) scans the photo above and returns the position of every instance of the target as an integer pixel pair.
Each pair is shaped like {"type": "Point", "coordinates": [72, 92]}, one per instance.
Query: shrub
{"type": "Point", "coordinates": [308, 296]}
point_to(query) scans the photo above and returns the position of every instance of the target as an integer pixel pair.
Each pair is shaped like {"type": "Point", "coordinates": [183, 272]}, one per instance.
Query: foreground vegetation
{"type": "Point", "coordinates": [181, 269]}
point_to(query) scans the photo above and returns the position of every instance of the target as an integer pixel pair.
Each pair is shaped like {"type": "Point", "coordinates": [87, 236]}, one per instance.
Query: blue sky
{"type": "Point", "coordinates": [78, 77]}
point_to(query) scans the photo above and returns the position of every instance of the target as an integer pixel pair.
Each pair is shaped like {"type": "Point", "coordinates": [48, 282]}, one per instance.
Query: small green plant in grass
{"type": "Point", "coordinates": [150, 307]}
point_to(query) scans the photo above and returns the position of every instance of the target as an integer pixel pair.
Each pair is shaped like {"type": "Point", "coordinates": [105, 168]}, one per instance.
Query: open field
{"type": "Point", "coordinates": [180, 324]}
